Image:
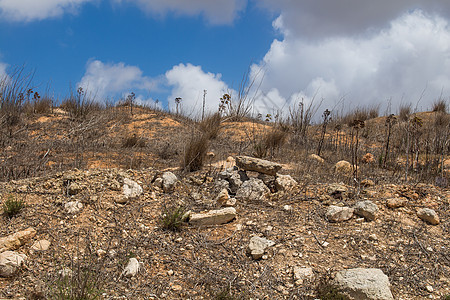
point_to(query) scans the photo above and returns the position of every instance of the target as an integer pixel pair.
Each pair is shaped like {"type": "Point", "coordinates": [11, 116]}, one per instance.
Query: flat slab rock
{"type": "Point", "coordinates": [363, 284]}
{"type": "Point", "coordinates": [248, 163]}
{"type": "Point", "coordinates": [339, 214]}
{"type": "Point", "coordinates": [213, 217]}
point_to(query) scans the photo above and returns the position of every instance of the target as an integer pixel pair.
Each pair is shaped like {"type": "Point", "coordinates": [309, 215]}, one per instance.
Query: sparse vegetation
{"type": "Point", "coordinates": [440, 106]}
{"type": "Point", "coordinates": [13, 205]}
{"type": "Point", "coordinates": [194, 153]}
{"type": "Point", "coordinates": [172, 218]}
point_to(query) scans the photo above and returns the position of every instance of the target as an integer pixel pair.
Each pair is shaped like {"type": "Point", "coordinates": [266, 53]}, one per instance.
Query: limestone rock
{"type": "Point", "coordinates": [10, 262]}
{"type": "Point", "coordinates": [258, 165]}
{"type": "Point", "coordinates": [131, 190]}
{"type": "Point", "coordinates": [169, 182]}
{"type": "Point", "coordinates": [339, 214]}
{"type": "Point", "coordinates": [73, 207]}
{"type": "Point", "coordinates": [285, 182]}
{"type": "Point", "coordinates": [366, 209]}
{"type": "Point", "coordinates": [252, 190]}
{"type": "Point", "coordinates": [367, 183]}
{"type": "Point", "coordinates": [396, 202]}
{"type": "Point", "coordinates": [224, 200]}
{"type": "Point", "coordinates": [258, 246]}
{"type": "Point", "coordinates": [368, 158]}
{"type": "Point", "coordinates": [343, 167]}
{"type": "Point", "coordinates": [428, 215]}
{"type": "Point", "coordinates": [14, 241]}
{"type": "Point", "coordinates": [234, 178]}
{"type": "Point", "coordinates": [132, 268]}
{"type": "Point", "coordinates": [213, 217]}
{"type": "Point", "coordinates": [41, 245]}
{"type": "Point", "coordinates": [337, 190]}
{"type": "Point", "coordinates": [316, 158]}
{"type": "Point", "coordinates": [302, 273]}
{"type": "Point", "coordinates": [363, 284]}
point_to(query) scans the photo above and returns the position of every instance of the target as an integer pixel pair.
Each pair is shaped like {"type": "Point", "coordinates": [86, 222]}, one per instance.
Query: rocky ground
{"type": "Point", "coordinates": [286, 240]}
{"type": "Point", "coordinates": [109, 214]}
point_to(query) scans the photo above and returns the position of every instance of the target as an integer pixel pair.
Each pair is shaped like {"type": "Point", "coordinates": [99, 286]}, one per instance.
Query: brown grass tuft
{"type": "Point", "coordinates": [195, 152]}
{"type": "Point", "coordinates": [211, 125]}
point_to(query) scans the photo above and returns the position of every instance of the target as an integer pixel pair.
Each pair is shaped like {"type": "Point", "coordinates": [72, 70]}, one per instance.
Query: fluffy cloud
{"type": "Point", "coordinates": [188, 82]}
{"type": "Point", "coordinates": [32, 10]}
{"type": "Point", "coordinates": [108, 79]}
{"type": "Point", "coordinates": [316, 19]}
{"type": "Point", "coordinates": [398, 63]}
{"type": "Point", "coordinates": [215, 11]}
{"type": "Point", "coordinates": [3, 67]}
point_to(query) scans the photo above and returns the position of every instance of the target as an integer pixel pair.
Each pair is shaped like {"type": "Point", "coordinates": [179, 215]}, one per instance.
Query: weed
{"type": "Point", "coordinates": [172, 218]}
{"type": "Point", "coordinates": [194, 153]}
{"type": "Point", "coordinates": [12, 206]}
{"type": "Point", "coordinates": [211, 125]}
{"type": "Point", "coordinates": [404, 112]}
{"type": "Point", "coordinates": [440, 106]}
{"type": "Point", "coordinates": [79, 106]}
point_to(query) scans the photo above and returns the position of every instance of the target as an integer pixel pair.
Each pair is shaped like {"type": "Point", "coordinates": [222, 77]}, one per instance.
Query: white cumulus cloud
{"type": "Point", "coordinates": [109, 79]}
{"type": "Point", "coordinates": [34, 10]}
{"type": "Point", "coordinates": [409, 56]}
{"type": "Point", "coordinates": [188, 82]}
{"type": "Point", "coordinates": [215, 11]}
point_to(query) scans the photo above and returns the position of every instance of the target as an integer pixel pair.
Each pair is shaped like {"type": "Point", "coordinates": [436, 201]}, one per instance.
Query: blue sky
{"type": "Point", "coordinates": [353, 52]}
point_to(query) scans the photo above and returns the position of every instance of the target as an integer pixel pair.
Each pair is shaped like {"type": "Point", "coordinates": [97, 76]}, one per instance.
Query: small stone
{"type": "Point", "coordinates": [258, 246]}
{"type": "Point", "coordinates": [339, 214]}
{"type": "Point", "coordinates": [396, 202]}
{"type": "Point", "coordinates": [73, 207]}
{"type": "Point", "coordinates": [252, 190]}
{"type": "Point", "coordinates": [169, 181]}
{"type": "Point", "coordinates": [316, 158]}
{"type": "Point", "coordinates": [429, 288]}
{"type": "Point", "coordinates": [428, 215]}
{"type": "Point", "coordinates": [366, 209]}
{"type": "Point", "coordinates": [301, 274]}
{"type": "Point", "coordinates": [131, 189]}
{"type": "Point", "coordinates": [10, 262]}
{"type": "Point", "coordinates": [177, 287]}
{"type": "Point", "coordinates": [41, 245]}
{"type": "Point", "coordinates": [367, 183]}
{"type": "Point", "coordinates": [170, 272]}
{"type": "Point", "coordinates": [285, 182]}
{"type": "Point", "coordinates": [132, 268]}
{"type": "Point", "coordinates": [287, 207]}
{"type": "Point", "coordinates": [343, 167]}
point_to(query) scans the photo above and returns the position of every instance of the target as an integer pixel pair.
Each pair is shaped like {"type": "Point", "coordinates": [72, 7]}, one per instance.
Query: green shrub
{"type": "Point", "coordinates": [12, 206]}
{"type": "Point", "coordinates": [172, 218]}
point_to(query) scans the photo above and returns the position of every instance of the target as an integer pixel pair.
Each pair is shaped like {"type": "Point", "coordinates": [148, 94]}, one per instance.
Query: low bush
{"type": "Point", "coordinates": [12, 206]}
{"type": "Point", "coordinates": [195, 153]}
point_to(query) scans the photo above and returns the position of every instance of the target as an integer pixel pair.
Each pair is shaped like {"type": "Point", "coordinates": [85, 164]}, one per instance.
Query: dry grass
{"type": "Point", "coordinates": [211, 126]}
{"type": "Point", "coordinates": [195, 153]}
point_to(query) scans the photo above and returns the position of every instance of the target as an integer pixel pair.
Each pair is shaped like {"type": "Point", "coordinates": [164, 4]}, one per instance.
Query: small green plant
{"type": "Point", "coordinates": [12, 206]}
{"type": "Point", "coordinates": [173, 217]}
{"type": "Point", "coordinates": [79, 285]}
